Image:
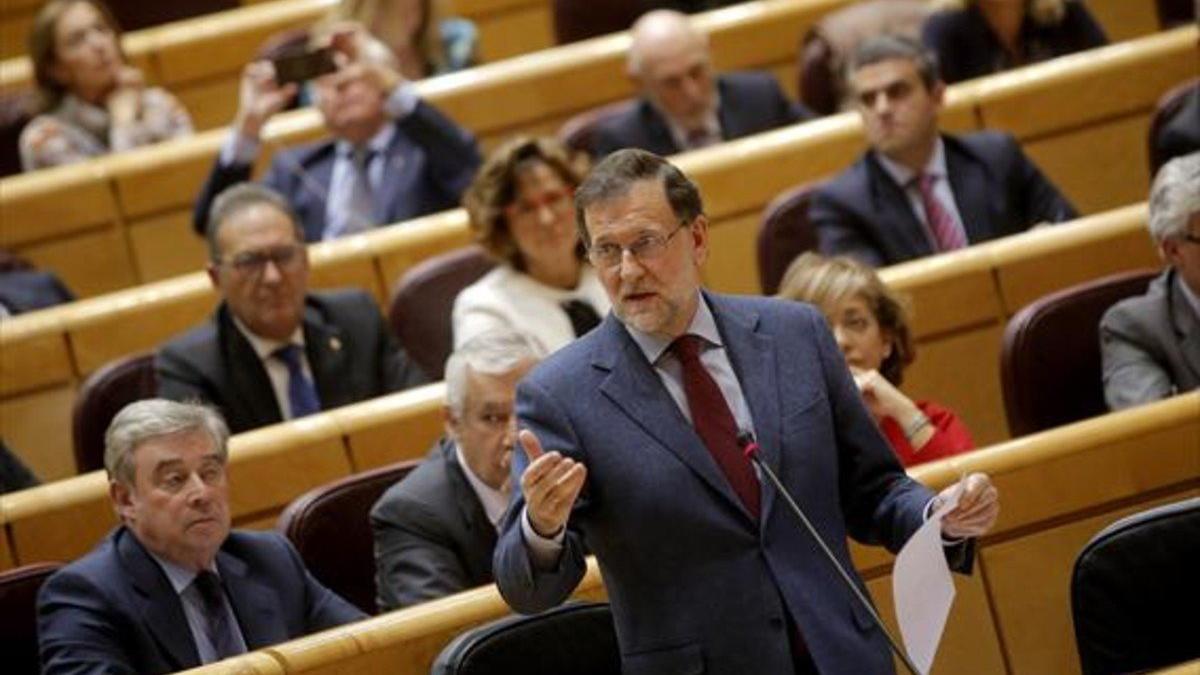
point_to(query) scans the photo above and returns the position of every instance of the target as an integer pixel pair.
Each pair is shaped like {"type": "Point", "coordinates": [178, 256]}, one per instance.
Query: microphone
{"type": "Point", "coordinates": [750, 450]}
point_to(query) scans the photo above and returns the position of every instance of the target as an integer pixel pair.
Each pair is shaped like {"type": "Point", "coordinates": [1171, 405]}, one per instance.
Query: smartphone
{"type": "Point", "coordinates": [304, 66]}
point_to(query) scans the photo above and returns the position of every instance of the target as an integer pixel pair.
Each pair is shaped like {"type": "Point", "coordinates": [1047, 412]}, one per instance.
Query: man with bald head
{"type": "Point", "coordinates": [684, 105]}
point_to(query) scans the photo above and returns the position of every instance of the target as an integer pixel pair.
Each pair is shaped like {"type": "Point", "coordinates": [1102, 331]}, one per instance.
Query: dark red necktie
{"type": "Point", "coordinates": [946, 232]}
{"type": "Point", "coordinates": [715, 424]}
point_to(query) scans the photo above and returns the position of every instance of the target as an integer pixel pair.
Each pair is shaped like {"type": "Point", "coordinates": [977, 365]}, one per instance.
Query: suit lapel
{"type": "Point", "coordinates": [900, 225]}
{"type": "Point", "coordinates": [249, 385]}
{"type": "Point", "coordinates": [480, 531]}
{"type": "Point", "coordinates": [753, 354]}
{"type": "Point", "coordinates": [325, 347]}
{"type": "Point", "coordinates": [658, 135]}
{"type": "Point", "coordinates": [969, 182]}
{"type": "Point", "coordinates": [1186, 325]}
{"type": "Point", "coordinates": [254, 604]}
{"type": "Point", "coordinates": [635, 388]}
{"type": "Point", "coordinates": [161, 610]}
{"type": "Point", "coordinates": [311, 200]}
{"type": "Point", "coordinates": [395, 181]}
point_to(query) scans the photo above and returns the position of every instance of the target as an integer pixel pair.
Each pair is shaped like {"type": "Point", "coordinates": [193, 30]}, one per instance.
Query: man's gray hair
{"type": "Point", "coordinates": [493, 352]}
{"type": "Point", "coordinates": [152, 418]}
{"type": "Point", "coordinates": [1175, 197]}
{"type": "Point", "coordinates": [890, 46]}
{"type": "Point", "coordinates": [234, 200]}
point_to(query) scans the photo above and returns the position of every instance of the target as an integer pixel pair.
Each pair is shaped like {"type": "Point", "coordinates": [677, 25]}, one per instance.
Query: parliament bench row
{"type": "Point", "coordinates": [1058, 489]}
{"type": "Point", "coordinates": [1082, 118]}
{"type": "Point", "coordinates": [962, 301]}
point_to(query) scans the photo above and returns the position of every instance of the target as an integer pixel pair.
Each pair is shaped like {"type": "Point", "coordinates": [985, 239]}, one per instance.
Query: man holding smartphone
{"type": "Point", "coordinates": [390, 155]}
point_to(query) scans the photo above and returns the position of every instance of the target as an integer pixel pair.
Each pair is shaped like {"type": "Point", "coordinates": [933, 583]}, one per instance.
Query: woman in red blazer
{"type": "Point", "coordinates": [870, 324]}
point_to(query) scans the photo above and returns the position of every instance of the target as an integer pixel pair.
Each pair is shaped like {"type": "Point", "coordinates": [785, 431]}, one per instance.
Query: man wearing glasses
{"type": "Point", "coordinates": [273, 351]}
{"type": "Point", "coordinates": [633, 439]}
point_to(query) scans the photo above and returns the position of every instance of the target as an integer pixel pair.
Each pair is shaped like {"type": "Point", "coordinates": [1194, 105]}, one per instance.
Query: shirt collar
{"type": "Point", "coordinates": [936, 166]}
{"type": "Point", "coordinates": [377, 143]}
{"type": "Point", "coordinates": [703, 324]}
{"type": "Point", "coordinates": [495, 502]}
{"type": "Point", "coordinates": [266, 347]}
{"type": "Point", "coordinates": [179, 576]}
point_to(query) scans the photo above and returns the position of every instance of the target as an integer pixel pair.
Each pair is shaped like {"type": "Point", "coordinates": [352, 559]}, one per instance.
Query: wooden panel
{"type": "Point", "coordinates": [211, 103]}
{"type": "Point", "coordinates": [1030, 580]}
{"type": "Point", "coordinates": [37, 426]}
{"type": "Point", "coordinates": [60, 521]}
{"type": "Point", "coordinates": [732, 261]}
{"type": "Point", "coordinates": [961, 371]}
{"type": "Point", "coordinates": [970, 643]}
{"type": "Point", "coordinates": [168, 175]}
{"type": "Point", "coordinates": [510, 34]}
{"type": "Point", "coordinates": [399, 248]}
{"type": "Point", "coordinates": [165, 246]}
{"type": "Point", "coordinates": [103, 329]}
{"type": "Point", "coordinates": [14, 31]}
{"type": "Point", "coordinates": [1076, 252]}
{"type": "Point", "coordinates": [948, 292]}
{"type": "Point", "coordinates": [1124, 20]}
{"type": "Point", "coordinates": [392, 428]}
{"type": "Point", "coordinates": [1115, 154]}
{"type": "Point", "coordinates": [346, 262]}
{"type": "Point", "coordinates": [89, 264]}
{"type": "Point", "coordinates": [271, 466]}
{"type": "Point", "coordinates": [1115, 80]}
{"type": "Point", "coordinates": [34, 352]}
{"type": "Point", "coordinates": [34, 208]}
{"type": "Point", "coordinates": [254, 663]}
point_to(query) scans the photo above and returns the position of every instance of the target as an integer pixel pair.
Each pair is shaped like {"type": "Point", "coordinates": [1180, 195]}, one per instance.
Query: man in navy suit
{"type": "Point", "coordinates": [172, 587]}
{"type": "Point", "coordinates": [684, 105]}
{"type": "Point", "coordinates": [635, 435]}
{"type": "Point", "coordinates": [391, 155]}
{"type": "Point", "coordinates": [273, 350]}
{"type": "Point", "coordinates": [917, 192]}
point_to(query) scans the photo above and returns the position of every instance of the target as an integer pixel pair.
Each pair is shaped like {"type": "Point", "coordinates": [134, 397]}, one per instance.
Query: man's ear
{"type": "Point", "coordinates": [122, 499]}
{"type": "Point", "coordinates": [449, 422]}
{"type": "Point", "coordinates": [214, 272]}
{"type": "Point", "coordinates": [938, 93]}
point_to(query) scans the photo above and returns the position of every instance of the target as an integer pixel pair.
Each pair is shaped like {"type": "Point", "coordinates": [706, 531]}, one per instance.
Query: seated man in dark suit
{"type": "Point", "coordinates": [172, 587]}
{"type": "Point", "coordinates": [390, 156]}
{"type": "Point", "coordinates": [684, 106]}
{"type": "Point", "coordinates": [272, 350]}
{"type": "Point", "coordinates": [435, 530]}
{"type": "Point", "coordinates": [1150, 345]}
{"type": "Point", "coordinates": [916, 191]}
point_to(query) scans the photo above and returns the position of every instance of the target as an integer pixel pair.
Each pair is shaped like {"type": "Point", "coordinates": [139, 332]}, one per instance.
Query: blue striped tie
{"type": "Point", "coordinates": [302, 395]}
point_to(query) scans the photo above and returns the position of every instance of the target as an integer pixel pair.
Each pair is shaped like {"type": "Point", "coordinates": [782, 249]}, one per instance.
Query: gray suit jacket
{"type": "Point", "coordinates": [696, 585]}
{"type": "Point", "coordinates": [432, 537]}
{"type": "Point", "coordinates": [1150, 345]}
{"type": "Point", "coordinates": [351, 353]}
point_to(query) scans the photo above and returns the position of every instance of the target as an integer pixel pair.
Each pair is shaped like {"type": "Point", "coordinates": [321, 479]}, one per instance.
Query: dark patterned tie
{"type": "Point", "coordinates": [715, 424]}
{"type": "Point", "coordinates": [302, 395]}
{"type": "Point", "coordinates": [221, 634]}
{"type": "Point", "coordinates": [946, 233]}
{"type": "Point", "coordinates": [582, 315]}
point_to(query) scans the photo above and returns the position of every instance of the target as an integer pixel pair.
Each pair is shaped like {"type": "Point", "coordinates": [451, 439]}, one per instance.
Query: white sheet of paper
{"type": "Point", "coordinates": [923, 589]}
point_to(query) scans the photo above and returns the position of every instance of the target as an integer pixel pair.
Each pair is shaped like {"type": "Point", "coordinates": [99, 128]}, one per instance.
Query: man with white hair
{"type": "Point", "coordinates": [436, 529]}
{"type": "Point", "coordinates": [172, 587]}
{"type": "Point", "coordinates": [1150, 344]}
{"type": "Point", "coordinates": [391, 156]}
{"type": "Point", "coordinates": [684, 105]}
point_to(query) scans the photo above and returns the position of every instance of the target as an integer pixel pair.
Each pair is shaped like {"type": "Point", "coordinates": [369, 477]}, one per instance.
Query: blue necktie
{"type": "Point", "coordinates": [216, 615]}
{"type": "Point", "coordinates": [302, 395]}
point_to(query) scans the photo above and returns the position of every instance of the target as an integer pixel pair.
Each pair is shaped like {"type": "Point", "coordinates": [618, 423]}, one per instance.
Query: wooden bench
{"type": "Point", "coordinates": [1058, 488]}
{"type": "Point", "coordinates": [132, 219]}
{"type": "Point", "coordinates": [200, 60]}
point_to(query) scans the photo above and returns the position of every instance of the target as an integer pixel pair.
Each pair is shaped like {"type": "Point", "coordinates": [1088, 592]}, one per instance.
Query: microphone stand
{"type": "Point", "coordinates": [750, 449]}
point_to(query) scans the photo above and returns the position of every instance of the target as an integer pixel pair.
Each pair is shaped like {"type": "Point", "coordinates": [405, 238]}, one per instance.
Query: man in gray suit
{"type": "Point", "coordinates": [273, 350]}
{"type": "Point", "coordinates": [436, 529]}
{"type": "Point", "coordinates": [1150, 344]}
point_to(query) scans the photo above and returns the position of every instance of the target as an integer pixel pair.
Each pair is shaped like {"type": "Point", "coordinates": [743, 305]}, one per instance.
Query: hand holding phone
{"type": "Point", "coordinates": [304, 66]}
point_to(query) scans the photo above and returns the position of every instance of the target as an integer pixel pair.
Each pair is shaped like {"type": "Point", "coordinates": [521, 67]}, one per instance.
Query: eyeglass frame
{"type": "Point", "coordinates": [254, 263]}
{"type": "Point", "coordinates": [644, 240]}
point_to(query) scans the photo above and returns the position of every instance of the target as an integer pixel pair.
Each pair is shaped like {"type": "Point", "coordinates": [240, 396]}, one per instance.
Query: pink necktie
{"type": "Point", "coordinates": [946, 233]}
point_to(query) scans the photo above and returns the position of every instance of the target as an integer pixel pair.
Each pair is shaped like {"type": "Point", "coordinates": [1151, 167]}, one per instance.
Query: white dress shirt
{"type": "Point", "coordinates": [495, 502]}
{"type": "Point", "coordinates": [277, 370]}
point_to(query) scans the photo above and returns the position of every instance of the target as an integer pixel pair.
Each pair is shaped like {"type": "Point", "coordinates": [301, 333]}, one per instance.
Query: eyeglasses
{"type": "Point", "coordinates": [646, 247]}
{"type": "Point", "coordinates": [558, 201]}
{"type": "Point", "coordinates": [286, 258]}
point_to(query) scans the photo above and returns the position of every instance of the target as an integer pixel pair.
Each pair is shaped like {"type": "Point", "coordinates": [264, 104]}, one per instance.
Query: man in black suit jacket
{"type": "Point", "coordinates": [683, 104]}
{"type": "Point", "coordinates": [172, 587]}
{"type": "Point", "coordinates": [413, 158]}
{"type": "Point", "coordinates": [435, 530]}
{"type": "Point", "coordinates": [918, 192]}
{"type": "Point", "coordinates": [272, 347]}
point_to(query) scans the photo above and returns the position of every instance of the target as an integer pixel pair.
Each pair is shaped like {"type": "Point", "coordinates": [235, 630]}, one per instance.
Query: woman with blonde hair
{"type": "Point", "coordinates": [93, 102]}
{"type": "Point", "coordinates": [978, 37]}
{"type": "Point", "coordinates": [870, 324]}
{"type": "Point", "coordinates": [522, 211]}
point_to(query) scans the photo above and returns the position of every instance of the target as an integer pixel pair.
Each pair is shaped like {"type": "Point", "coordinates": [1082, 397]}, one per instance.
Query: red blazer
{"type": "Point", "coordinates": [950, 436]}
